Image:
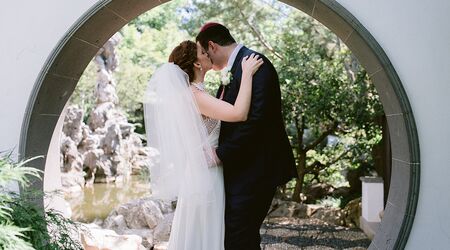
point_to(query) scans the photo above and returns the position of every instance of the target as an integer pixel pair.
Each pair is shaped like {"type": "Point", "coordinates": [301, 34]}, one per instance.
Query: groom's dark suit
{"type": "Point", "coordinates": [256, 155]}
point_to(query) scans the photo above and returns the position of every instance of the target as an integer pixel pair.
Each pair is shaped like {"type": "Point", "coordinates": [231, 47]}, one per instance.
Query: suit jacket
{"type": "Point", "coordinates": [255, 153]}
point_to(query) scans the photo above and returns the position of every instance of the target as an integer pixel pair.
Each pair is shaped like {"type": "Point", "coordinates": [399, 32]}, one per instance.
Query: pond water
{"type": "Point", "coordinates": [98, 201]}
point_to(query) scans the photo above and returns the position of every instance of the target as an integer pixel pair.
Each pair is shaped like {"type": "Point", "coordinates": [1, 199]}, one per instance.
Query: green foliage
{"type": "Point", "coordinates": [11, 171]}
{"type": "Point", "coordinates": [12, 237]}
{"type": "Point", "coordinates": [49, 230]}
{"type": "Point", "coordinates": [140, 53]}
{"type": "Point", "coordinates": [23, 225]}
{"type": "Point", "coordinates": [326, 92]}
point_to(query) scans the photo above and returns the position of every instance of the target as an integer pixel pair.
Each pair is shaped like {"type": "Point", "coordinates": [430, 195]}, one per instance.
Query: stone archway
{"type": "Point", "coordinates": [64, 66]}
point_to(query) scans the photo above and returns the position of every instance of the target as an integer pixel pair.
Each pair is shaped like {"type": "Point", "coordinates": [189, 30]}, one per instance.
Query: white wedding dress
{"type": "Point", "coordinates": [186, 170]}
{"type": "Point", "coordinates": [205, 229]}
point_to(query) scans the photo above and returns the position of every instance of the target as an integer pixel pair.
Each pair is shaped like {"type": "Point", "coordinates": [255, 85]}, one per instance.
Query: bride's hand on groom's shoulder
{"type": "Point", "coordinates": [251, 64]}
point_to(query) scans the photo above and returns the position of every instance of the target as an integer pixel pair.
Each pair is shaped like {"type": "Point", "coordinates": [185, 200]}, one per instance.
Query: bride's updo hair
{"type": "Point", "coordinates": [185, 55]}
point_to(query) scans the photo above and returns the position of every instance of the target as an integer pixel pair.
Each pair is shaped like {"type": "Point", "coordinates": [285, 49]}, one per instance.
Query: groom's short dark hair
{"type": "Point", "coordinates": [216, 33]}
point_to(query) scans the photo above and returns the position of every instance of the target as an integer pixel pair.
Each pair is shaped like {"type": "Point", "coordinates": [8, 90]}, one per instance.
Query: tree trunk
{"type": "Point", "coordinates": [301, 169]}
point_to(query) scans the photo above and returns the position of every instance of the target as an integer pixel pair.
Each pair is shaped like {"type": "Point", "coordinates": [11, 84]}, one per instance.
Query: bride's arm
{"type": "Point", "coordinates": [224, 111]}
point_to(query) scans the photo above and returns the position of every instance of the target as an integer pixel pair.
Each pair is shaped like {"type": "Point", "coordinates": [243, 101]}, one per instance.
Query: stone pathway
{"type": "Point", "coordinates": [309, 234]}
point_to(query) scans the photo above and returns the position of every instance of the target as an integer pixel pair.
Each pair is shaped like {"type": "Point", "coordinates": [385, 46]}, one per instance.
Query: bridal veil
{"type": "Point", "coordinates": [186, 170]}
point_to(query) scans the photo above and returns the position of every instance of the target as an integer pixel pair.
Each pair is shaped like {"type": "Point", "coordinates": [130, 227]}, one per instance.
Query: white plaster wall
{"type": "Point", "coordinates": [29, 30]}
{"type": "Point", "coordinates": [416, 37]}
{"type": "Point", "coordinates": [52, 175]}
{"type": "Point", "coordinates": [414, 34]}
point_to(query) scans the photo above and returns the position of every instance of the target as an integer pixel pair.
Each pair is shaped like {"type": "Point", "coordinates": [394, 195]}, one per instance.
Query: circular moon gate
{"type": "Point", "coordinates": [65, 65]}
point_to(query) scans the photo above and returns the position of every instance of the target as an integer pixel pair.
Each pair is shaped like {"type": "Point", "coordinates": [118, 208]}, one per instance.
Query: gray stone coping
{"type": "Point", "coordinates": [371, 179]}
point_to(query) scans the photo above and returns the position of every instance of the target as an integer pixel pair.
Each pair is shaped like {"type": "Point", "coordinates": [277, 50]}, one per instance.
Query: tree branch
{"type": "Point", "coordinates": [318, 166]}
{"type": "Point", "coordinates": [322, 137]}
{"type": "Point", "coordinates": [347, 65]}
{"type": "Point", "coordinates": [258, 35]}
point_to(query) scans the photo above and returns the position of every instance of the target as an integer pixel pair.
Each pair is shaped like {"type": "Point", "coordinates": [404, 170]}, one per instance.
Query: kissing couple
{"type": "Point", "coordinates": [221, 157]}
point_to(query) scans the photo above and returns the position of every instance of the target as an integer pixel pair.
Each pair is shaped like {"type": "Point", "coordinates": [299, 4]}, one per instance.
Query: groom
{"type": "Point", "coordinates": [256, 154]}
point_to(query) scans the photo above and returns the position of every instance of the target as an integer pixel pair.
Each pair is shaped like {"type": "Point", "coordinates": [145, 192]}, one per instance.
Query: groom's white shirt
{"type": "Point", "coordinates": [232, 57]}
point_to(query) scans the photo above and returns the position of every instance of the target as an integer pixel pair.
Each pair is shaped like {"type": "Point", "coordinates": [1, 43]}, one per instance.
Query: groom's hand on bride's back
{"type": "Point", "coordinates": [216, 158]}
{"type": "Point", "coordinates": [213, 160]}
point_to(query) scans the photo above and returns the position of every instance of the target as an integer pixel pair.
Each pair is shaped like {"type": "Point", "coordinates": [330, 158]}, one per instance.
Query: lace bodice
{"type": "Point", "coordinates": [212, 125]}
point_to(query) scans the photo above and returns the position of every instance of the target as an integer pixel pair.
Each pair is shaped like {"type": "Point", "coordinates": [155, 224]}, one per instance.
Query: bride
{"type": "Point", "coordinates": [183, 122]}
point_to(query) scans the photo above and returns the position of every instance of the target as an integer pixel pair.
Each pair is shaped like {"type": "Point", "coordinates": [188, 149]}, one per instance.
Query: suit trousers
{"type": "Point", "coordinates": [244, 215]}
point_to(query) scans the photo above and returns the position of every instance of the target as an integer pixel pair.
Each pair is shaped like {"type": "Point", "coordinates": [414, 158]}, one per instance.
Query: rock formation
{"type": "Point", "coordinates": [149, 218]}
{"type": "Point", "coordinates": [348, 216]}
{"type": "Point", "coordinates": [106, 149]}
